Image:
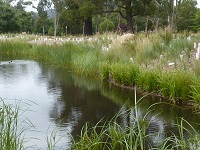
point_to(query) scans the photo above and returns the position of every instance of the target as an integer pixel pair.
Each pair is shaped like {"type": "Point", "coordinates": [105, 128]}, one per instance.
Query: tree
{"type": "Point", "coordinates": [56, 7]}
{"type": "Point", "coordinates": [197, 21]}
{"type": "Point", "coordinates": [86, 9]}
{"type": "Point", "coordinates": [148, 8]}
{"type": "Point", "coordinates": [71, 21]}
{"type": "Point", "coordinates": [125, 9]}
{"type": "Point", "coordinates": [8, 19]}
{"type": "Point", "coordinates": [24, 18]}
{"type": "Point", "coordinates": [41, 8]}
{"type": "Point", "coordinates": [186, 14]}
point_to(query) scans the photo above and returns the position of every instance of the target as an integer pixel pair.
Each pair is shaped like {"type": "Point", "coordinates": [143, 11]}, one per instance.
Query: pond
{"type": "Point", "coordinates": [57, 101]}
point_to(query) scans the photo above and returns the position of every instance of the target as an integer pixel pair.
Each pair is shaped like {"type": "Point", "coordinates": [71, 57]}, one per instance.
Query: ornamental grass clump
{"type": "Point", "coordinates": [180, 85]}
{"type": "Point", "coordinates": [147, 79]}
{"type": "Point", "coordinates": [175, 84]}
{"type": "Point", "coordinates": [124, 74]}
{"type": "Point", "coordinates": [105, 69]}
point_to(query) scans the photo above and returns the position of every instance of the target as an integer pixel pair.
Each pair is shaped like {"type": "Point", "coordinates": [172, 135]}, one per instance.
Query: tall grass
{"type": "Point", "coordinates": [15, 47]}
{"type": "Point", "coordinates": [148, 79]}
{"type": "Point", "coordinates": [114, 135]}
{"type": "Point", "coordinates": [175, 85]}
{"type": "Point", "coordinates": [88, 59]}
{"type": "Point", "coordinates": [124, 74]}
{"type": "Point", "coordinates": [131, 132]}
{"type": "Point", "coordinates": [11, 127]}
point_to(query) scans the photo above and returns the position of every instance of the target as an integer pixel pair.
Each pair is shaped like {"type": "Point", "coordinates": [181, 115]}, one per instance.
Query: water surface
{"type": "Point", "coordinates": [60, 102]}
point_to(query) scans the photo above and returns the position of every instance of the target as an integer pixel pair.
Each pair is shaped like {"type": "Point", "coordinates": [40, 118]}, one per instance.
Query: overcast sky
{"type": "Point", "coordinates": [35, 3]}
{"type": "Point", "coordinates": [30, 8]}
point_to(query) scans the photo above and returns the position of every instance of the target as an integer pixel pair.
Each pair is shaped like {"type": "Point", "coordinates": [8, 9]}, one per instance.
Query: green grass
{"type": "Point", "coordinates": [12, 128]}
{"type": "Point", "coordinates": [147, 70]}
{"type": "Point", "coordinates": [89, 60]}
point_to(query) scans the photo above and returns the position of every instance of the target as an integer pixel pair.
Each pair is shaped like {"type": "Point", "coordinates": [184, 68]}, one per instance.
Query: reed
{"type": "Point", "coordinates": [120, 134]}
{"type": "Point", "coordinates": [113, 135]}
{"type": "Point", "coordinates": [175, 85]}
{"type": "Point", "coordinates": [124, 74]}
{"type": "Point", "coordinates": [86, 64]}
{"type": "Point", "coordinates": [134, 62]}
{"type": "Point", "coordinates": [11, 128]}
{"type": "Point", "coordinates": [14, 47]}
{"type": "Point", "coordinates": [147, 79]}
{"type": "Point", "coordinates": [195, 91]}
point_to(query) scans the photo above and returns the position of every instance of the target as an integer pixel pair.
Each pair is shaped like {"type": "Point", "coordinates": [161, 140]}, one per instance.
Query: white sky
{"type": "Point", "coordinates": [35, 3]}
{"type": "Point", "coordinates": [198, 5]}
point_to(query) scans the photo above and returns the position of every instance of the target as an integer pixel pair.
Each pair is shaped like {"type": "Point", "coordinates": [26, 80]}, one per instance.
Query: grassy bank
{"type": "Point", "coordinates": [139, 60]}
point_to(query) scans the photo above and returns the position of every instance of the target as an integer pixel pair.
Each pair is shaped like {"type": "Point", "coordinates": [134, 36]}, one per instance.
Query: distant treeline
{"type": "Point", "coordinates": [61, 17]}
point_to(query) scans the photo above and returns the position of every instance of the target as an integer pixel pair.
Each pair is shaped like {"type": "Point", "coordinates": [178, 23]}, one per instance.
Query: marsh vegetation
{"type": "Point", "coordinates": [159, 63]}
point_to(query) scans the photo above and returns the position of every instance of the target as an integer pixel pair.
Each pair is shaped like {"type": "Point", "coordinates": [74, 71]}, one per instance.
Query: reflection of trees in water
{"type": "Point", "coordinates": [78, 101]}
{"type": "Point", "coordinates": [156, 128]}
{"type": "Point", "coordinates": [74, 104]}
{"type": "Point", "coordinates": [161, 119]}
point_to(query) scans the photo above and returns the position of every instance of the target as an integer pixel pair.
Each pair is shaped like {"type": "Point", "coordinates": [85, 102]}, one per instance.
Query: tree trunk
{"type": "Point", "coordinates": [157, 23]}
{"type": "Point", "coordinates": [146, 27]}
{"type": "Point", "coordinates": [106, 22]}
{"type": "Point", "coordinates": [119, 24]}
{"type": "Point", "coordinates": [88, 26]}
{"type": "Point", "coordinates": [129, 16]}
{"type": "Point", "coordinates": [43, 32]}
{"type": "Point", "coordinates": [171, 14]}
{"type": "Point", "coordinates": [97, 23]}
{"type": "Point", "coordinates": [55, 26]}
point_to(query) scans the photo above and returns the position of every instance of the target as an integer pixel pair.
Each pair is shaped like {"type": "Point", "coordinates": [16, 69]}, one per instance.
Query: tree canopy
{"type": "Point", "coordinates": [90, 16]}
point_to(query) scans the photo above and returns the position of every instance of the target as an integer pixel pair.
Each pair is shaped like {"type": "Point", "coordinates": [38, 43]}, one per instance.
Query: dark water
{"type": "Point", "coordinates": [58, 102]}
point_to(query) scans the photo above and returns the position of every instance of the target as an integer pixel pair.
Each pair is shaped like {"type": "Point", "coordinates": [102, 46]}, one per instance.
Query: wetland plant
{"type": "Point", "coordinates": [128, 130]}
{"type": "Point", "coordinates": [146, 68]}
{"type": "Point", "coordinates": [11, 127]}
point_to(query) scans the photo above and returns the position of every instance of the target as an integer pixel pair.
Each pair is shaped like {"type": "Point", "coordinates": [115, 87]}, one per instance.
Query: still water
{"type": "Point", "coordinates": [58, 102]}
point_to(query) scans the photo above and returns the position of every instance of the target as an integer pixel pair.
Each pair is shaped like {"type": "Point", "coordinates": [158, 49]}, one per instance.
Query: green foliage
{"type": "Point", "coordinates": [124, 74]}
{"type": "Point", "coordinates": [196, 90]}
{"type": "Point", "coordinates": [15, 48]}
{"type": "Point", "coordinates": [127, 64]}
{"type": "Point", "coordinates": [197, 21]}
{"type": "Point", "coordinates": [175, 85]}
{"type": "Point", "coordinates": [112, 135]}
{"type": "Point", "coordinates": [148, 79]}
{"type": "Point", "coordinates": [8, 19]}
{"type": "Point", "coordinates": [106, 25]}
{"type": "Point", "coordinates": [87, 10]}
{"type": "Point", "coordinates": [166, 36]}
{"type": "Point", "coordinates": [50, 31]}
{"type": "Point", "coordinates": [186, 19]}
{"type": "Point", "coordinates": [105, 69]}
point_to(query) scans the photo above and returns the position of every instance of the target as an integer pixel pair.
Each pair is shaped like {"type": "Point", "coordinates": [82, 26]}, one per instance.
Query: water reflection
{"type": "Point", "coordinates": [61, 102]}
{"type": "Point", "coordinates": [65, 102]}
